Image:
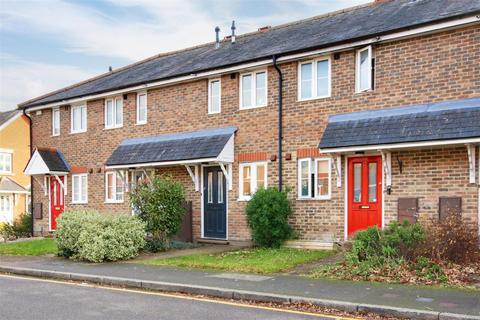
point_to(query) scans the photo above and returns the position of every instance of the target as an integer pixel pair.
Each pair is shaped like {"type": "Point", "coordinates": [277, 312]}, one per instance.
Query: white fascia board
{"type": "Point", "coordinates": [36, 165]}
{"type": "Point", "coordinates": [227, 154]}
{"type": "Point", "coordinates": [9, 121]}
{"type": "Point", "coordinates": [437, 27]}
{"type": "Point", "coordinates": [160, 164]}
{"type": "Point", "coordinates": [407, 145]}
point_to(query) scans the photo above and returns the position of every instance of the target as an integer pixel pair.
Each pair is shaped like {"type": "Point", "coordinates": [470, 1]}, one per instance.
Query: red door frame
{"type": "Point", "coordinates": [363, 213]}
{"type": "Point", "coordinates": [56, 199]}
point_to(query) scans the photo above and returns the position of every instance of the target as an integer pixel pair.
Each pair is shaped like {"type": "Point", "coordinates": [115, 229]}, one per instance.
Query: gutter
{"type": "Point", "coordinates": [280, 123]}
{"type": "Point", "coordinates": [31, 177]}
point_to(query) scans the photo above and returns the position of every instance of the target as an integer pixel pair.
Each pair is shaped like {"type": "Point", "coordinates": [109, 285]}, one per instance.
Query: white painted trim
{"type": "Point", "coordinates": [253, 178]}
{"type": "Point", "coordinates": [253, 89]}
{"type": "Point", "coordinates": [114, 181]}
{"type": "Point", "coordinates": [210, 81]}
{"type": "Point", "coordinates": [437, 27]}
{"type": "Point", "coordinates": [314, 63]}
{"type": "Point", "coordinates": [387, 169]}
{"type": "Point", "coordinates": [193, 175]}
{"type": "Point", "coordinates": [141, 93]}
{"type": "Point", "coordinates": [357, 69]}
{"type": "Point", "coordinates": [312, 168]}
{"type": "Point", "coordinates": [79, 175]}
{"type": "Point", "coordinates": [7, 155]}
{"type": "Point", "coordinates": [82, 107]}
{"type": "Point", "coordinates": [406, 145]}
{"type": "Point", "coordinates": [114, 101]}
{"type": "Point", "coordinates": [9, 121]}
{"type": "Point", "coordinates": [7, 216]}
{"type": "Point", "coordinates": [6, 150]}
{"type": "Point", "coordinates": [55, 110]}
{"type": "Point", "coordinates": [471, 163]}
{"type": "Point", "coordinates": [160, 164]}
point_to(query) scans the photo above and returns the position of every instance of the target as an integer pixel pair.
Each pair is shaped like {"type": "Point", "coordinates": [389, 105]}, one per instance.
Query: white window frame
{"type": "Point", "coordinates": [82, 107]}
{"type": "Point", "coordinates": [8, 215]}
{"type": "Point", "coordinates": [139, 94]}
{"type": "Point", "coordinates": [253, 177]}
{"type": "Point", "coordinates": [253, 89]}
{"type": "Point", "coordinates": [210, 81]}
{"type": "Point", "coordinates": [114, 192]}
{"type": "Point", "coordinates": [314, 79]}
{"type": "Point", "coordinates": [357, 69]}
{"type": "Point", "coordinates": [6, 154]}
{"type": "Point", "coordinates": [114, 125]}
{"type": "Point", "coordinates": [80, 186]}
{"type": "Point", "coordinates": [55, 111]}
{"type": "Point", "coordinates": [312, 169]}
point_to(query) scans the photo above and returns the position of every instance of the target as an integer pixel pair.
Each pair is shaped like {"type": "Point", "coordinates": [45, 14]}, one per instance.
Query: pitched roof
{"type": "Point", "coordinates": [454, 119]}
{"type": "Point", "coordinates": [8, 185]}
{"type": "Point", "coordinates": [322, 31]}
{"type": "Point", "coordinates": [203, 144]}
{"type": "Point", "coordinates": [7, 115]}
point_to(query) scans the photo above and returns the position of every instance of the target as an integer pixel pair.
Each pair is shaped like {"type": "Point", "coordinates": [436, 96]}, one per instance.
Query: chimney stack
{"type": "Point", "coordinates": [233, 31]}
{"type": "Point", "coordinates": [217, 37]}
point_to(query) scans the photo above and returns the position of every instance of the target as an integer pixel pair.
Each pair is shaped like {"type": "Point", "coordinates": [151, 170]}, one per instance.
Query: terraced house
{"type": "Point", "coordinates": [370, 114]}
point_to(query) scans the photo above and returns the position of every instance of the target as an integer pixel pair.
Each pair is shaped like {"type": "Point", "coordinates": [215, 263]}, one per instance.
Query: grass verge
{"type": "Point", "coordinates": [29, 248]}
{"type": "Point", "coordinates": [256, 260]}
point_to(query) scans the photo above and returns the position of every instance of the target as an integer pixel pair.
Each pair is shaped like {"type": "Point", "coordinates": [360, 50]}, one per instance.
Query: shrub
{"type": "Point", "coordinates": [267, 216]}
{"type": "Point", "coordinates": [450, 240]}
{"type": "Point", "coordinates": [21, 228]}
{"type": "Point", "coordinates": [6, 231]}
{"type": "Point", "coordinates": [160, 204]}
{"type": "Point", "coordinates": [95, 237]}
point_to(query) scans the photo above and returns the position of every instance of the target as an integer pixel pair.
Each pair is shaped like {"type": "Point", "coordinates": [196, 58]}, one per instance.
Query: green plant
{"type": "Point", "coordinates": [23, 226]}
{"type": "Point", "coordinates": [6, 231]}
{"type": "Point", "coordinates": [267, 216]}
{"type": "Point", "coordinates": [95, 237]}
{"type": "Point", "coordinates": [429, 270]}
{"type": "Point", "coordinates": [160, 204]}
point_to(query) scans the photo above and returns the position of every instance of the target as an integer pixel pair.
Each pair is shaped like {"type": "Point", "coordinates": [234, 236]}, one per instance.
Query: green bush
{"type": "Point", "coordinates": [21, 228]}
{"type": "Point", "coordinates": [160, 204]}
{"type": "Point", "coordinates": [267, 216]}
{"type": "Point", "coordinates": [6, 231]}
{"type": "Point", "coordinates": [95, 237]}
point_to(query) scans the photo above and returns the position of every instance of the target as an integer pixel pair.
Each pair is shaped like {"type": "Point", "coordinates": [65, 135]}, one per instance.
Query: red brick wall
{"type": "Point", "coordinates": [430, 68]}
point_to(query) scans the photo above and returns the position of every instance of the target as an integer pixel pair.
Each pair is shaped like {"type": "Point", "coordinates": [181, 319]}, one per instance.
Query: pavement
{"type": "Point", "coordinates": [397, 300]}
{"type": "Point", "coordinates": [23, 299]}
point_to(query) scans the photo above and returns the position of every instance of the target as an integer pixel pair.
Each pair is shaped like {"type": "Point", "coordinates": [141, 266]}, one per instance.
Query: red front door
{"type": "Point", "coordinates": [364, 193]}
{"type": "Point", "coordinates": [57, 203]}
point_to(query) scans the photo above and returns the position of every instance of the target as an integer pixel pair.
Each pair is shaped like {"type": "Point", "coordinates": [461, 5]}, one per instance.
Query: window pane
{"type": "Point", "coordinates": [76, 188]}
{"type": "Point", "coordinates": [118, 112]}
{"type": "Point", "coordinates": [322, 177]}
{"type": "Point", "coordinates": [357, 182]}
{"type": "Point", "coordinates": [261, 84]}
{"type": "Point", "coordinates": [109, 113]}
{"type": "Point", "coordinates": [261, 176]}
{"type": "Point", "coordinates": [322, 78]}
{"type": "Point", "coordinates": [304, 177]}
{"type": "Point", "coordinates": [84, 188]}
{"type": "Point", "coordinates": [119, 187]}
{"type": "Point", "coordinates": [210, 188]}
{"type": "Point", "coordinates": [110, 186]}
{"type": "Point", "coordinates": [246, 91]}
{"type": "Point", "coordinates": [220, 186]}
{"type": "Point", "coordinates": [83, 119]}
{"type": "Point", "coordinates": [247, 183]}
{"type": "Point", "coordinates": [306, 80]}
{"type": "Point", "coordinates": [142, 108]}
{"type": "Point", "coordinates": [215, 96]}
{"type": "Point", "coordinates": [364, 70]}
{"type": "Point", "coordinates": [372, 182]}
{"type": "Point", "coordinates": [76, 119]}
{"type": "Point", "coordinates": [56, 122]}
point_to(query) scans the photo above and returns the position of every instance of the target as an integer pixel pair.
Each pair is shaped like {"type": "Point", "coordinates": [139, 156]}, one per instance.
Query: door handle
{"type": "Point", "coordinates": [364, 207]}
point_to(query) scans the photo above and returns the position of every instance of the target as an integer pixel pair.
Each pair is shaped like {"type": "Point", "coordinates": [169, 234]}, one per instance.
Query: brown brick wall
{"type": "Point", "coordinates": [425, 69]}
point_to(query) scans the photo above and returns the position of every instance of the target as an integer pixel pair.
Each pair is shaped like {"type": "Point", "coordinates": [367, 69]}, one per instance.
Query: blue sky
{"type": "Point", "coordinates": [45, 45]}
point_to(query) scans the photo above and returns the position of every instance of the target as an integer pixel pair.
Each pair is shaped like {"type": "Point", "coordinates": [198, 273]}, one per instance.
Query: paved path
{"type": "Point", "coordinates": [26, 299]}
{"type": "Point", "coordinates": [413, 297]}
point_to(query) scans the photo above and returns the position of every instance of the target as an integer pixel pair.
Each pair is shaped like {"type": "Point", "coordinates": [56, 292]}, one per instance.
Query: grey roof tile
{"type": "Point", "coordinates": [7, 115]}
{"type": "Point", "coordinates": [54, 160]}
{"type": "Point", "coordinates": [350, 24]}
{"type": "Point", "coordinates": [7, 184]}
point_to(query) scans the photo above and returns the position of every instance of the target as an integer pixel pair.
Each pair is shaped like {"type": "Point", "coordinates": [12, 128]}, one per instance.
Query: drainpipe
{"type": "Point", "coordinates": [31, 178]}
{"type": "Point", "coordinates": [280, 123]}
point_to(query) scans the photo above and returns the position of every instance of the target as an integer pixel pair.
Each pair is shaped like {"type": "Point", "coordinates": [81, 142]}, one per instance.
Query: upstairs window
{"type": "Point", "coordinates": [56, 122]}
{"type": "Point", "coordinates": [142, 108]}
{"type": "Point", "coordinates": [79, 188]}
{"type": "Point", "coordinates": [364, 69]}
{"type": "Point", "coordinates": [114, 187]}
{"type": "Point", "coordinates": [252, 176]}
{"type": "Point", "coordinates": [314, 178]}
{"type": "Point", "coordinates": [5, 162]}
{"type": "Point", "coordinates": [79, 119]}
{"type": "Point", "coordinates": [253, 90]}
{"type": "Point", "coordinates": [214, 96]}
{"type": "Point", "coordinates": [314, 79]}
{"type": "Point", "coordinates": [113, 113]}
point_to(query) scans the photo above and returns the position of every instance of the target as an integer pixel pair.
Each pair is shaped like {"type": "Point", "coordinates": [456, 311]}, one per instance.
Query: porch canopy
{"type": "Point", "coordinates": [185, 148]}
{"type": "Point", "coordinates": [448, 123]}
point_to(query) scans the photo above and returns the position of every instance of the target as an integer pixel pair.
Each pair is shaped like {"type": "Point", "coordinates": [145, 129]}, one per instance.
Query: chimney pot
{"type": "Point", "coordinates": [217, 37]}
{"type": "Point", "coordinates": [233, 31]}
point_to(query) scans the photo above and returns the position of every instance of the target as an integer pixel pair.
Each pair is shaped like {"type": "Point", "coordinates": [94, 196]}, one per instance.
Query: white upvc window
{"type": "Point", "coordinates": [314, 178]}
{"type": "Point", "coordinates": [114, 187]}
{"type": "Point", "coordinates": [252, 176]}
{"type": "Point", "coordinates": [56, 122]}
{"type": "Point", "coordinates": [80, 188]}
{"type": "Point", "coordinates": [5, 162]}
{"type": "Point", "coordinates": [78, 119]}
{"type": "Point", "coordinates": [214, 96]}
{"type": "Point", "coordinates": [314, 79]}
{"type": "Point", "coordinates": [113, 113]}
{"type": "Point", "coordinates": [253, 89]}
{"type": "Point", "coordinates": [142, 108]}
{"type": "Point", "coordinates": [6, 208]}
{"type": "Point", "coordinates": [364, 73]}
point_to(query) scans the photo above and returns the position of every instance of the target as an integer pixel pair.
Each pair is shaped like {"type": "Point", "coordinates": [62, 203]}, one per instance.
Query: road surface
{"type": "Point", "coordinates": [39, 299]}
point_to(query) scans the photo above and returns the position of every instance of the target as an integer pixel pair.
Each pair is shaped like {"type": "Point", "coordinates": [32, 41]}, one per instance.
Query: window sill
{"type": "Point", "coordinates": [314, 98]}
{"type": "Point", "coordinates": [56, 135]}
{"type": "Point", "coordinates": [139, 124]}
{"type": "Point", "coordinates": [113, 202]}
{"type": "Point", "coordinates": [244, 199]}
{"type": "Point", "coordinates": [213, 113]}
{"type": "Point", "coordinates": [79, 202]}
{"type": "Point", "coordinates": [314, 199]}
{"type": "Point", "coordinates": [364, 91]}
{"type": "Point", "coordinates": [254, 107]}
{"type": "Point", "coordinates": [6, 173]}
{"type": "Point", "coordinates": [76, 132]}
{"type": "Point", "coordinates": [112, 128]}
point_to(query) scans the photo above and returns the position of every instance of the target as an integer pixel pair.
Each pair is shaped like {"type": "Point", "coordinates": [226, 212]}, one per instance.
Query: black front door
{"type": "Point", "coordinates": [214, 203]}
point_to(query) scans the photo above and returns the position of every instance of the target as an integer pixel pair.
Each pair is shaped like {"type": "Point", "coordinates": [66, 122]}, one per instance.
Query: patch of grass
{"type": "Point", "coordinates": [28, 248]}
{"type": "Point", "coordinates": [250, 260]}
